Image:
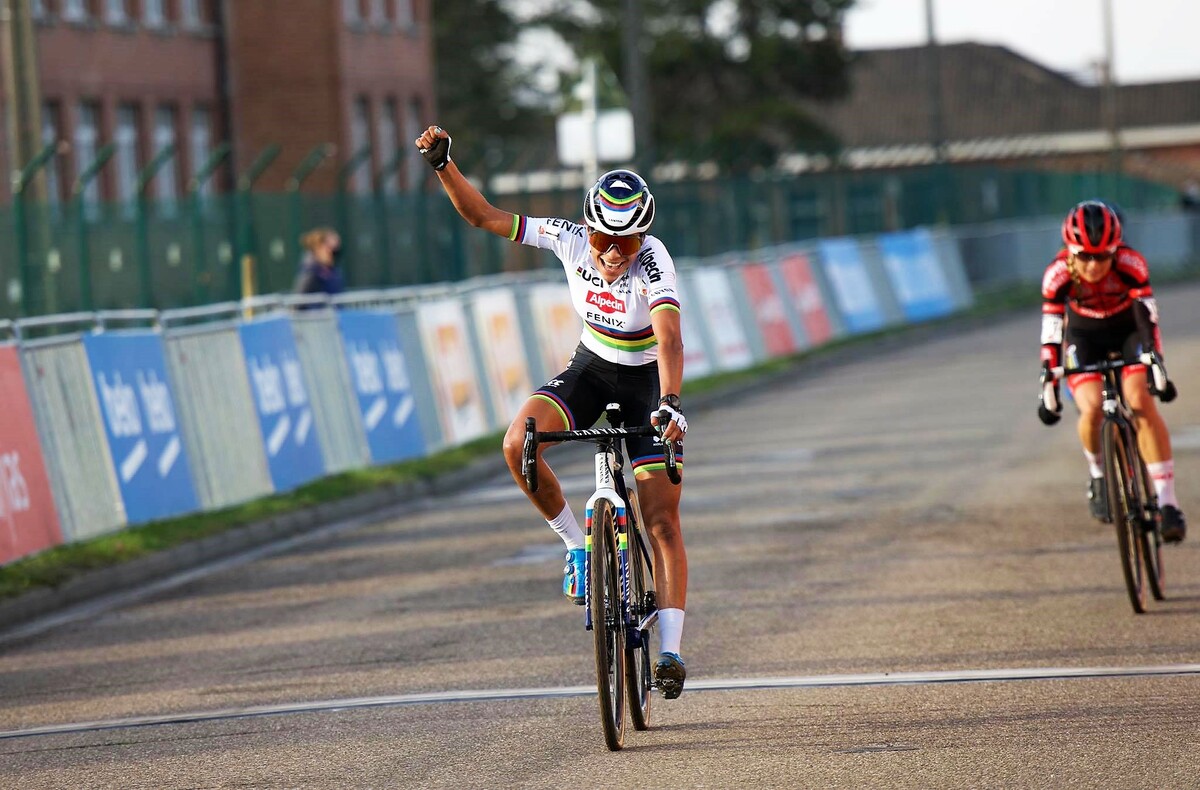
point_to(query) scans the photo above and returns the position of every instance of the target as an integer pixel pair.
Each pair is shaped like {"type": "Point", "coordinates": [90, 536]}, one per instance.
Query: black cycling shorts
{"type": "Point", "coordinates": [582, 391]}
{"type": "Point", "coordinates": [1089, 346]}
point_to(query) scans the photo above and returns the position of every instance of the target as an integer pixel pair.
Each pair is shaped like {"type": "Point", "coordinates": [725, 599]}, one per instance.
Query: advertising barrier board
{"type": "Point", "coordinates": [281, 400]}
{"type": "Point", "coordinates": [380, 374]}
{"type": "Point", "coordinates": [917, 278]}
{"type": "Point", "coordinates": [712, 294]}
{"type": "Point", "coordinates": [852, 288]}
{"type": "Point", "coordinates": [447, 343]}
{"type": "Point", "coordinates": [769, 311]}
{"type": "Point", "coordinates": [129, 372]}
{"type": "Point", "coordinates": [499, 337]}
{"type": "Point", "coordinates": [28, 518]}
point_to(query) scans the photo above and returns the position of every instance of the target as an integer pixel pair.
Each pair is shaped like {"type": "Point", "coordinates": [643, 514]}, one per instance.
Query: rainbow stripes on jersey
{"type": "Point", "coordinates": [654, 463]}
{"type": "Point", "coordinates": [518, 229]}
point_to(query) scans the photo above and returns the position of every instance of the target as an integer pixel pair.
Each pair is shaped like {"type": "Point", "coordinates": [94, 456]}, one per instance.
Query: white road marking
{"type": "Point", "coordinates": [726, 684]}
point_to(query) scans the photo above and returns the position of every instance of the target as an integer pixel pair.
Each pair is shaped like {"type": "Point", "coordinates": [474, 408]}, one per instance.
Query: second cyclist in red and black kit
{"type": "Point", "coordinates": [1097, 300]}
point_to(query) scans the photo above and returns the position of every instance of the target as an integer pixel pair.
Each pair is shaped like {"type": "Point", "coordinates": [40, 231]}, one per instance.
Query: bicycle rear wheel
{"type": "Point", "coordinates": [608, 626]}
{"type": "Point", "coordinates": [1151, 537]}
{"type": "Point", "coordinates": [639, 677]}
{"type": "Point", "coordinates": [1126, 512]}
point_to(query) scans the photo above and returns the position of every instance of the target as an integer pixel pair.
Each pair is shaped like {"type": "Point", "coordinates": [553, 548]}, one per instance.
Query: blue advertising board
{"type": "Point", "coordinates": [382, 385]}
{"type": "Point", "coordinates": [281, 399]}
{"type": "Point", "coordinates": [851, 284]}
{"type": "Point", "coordinates": [129, 373]}
{"type": "Point", "coordinates": [916, 275]}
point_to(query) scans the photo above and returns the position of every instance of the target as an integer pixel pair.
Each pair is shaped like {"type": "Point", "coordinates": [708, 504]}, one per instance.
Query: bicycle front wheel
{"type": "Point", "coordinates": [608, 623]}
{"type": "Point", "coordinates": [1126, 512]}
{"type": "Point", "coordinates": [639, 678]}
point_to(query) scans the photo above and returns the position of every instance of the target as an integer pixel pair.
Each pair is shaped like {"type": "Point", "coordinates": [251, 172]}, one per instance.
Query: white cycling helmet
{"type": "Point", "coordinates": [619, 204]}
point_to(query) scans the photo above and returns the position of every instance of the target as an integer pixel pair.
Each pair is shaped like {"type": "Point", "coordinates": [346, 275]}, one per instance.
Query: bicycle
{"type": "Point", "coordinates": [621, 609]}
{"type": "Point", "coordinates": [1132, 503]}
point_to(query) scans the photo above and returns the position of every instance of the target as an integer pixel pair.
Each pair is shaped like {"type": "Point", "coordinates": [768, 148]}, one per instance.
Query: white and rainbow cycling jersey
{"type": "Point", "coordinates": [616, 316]}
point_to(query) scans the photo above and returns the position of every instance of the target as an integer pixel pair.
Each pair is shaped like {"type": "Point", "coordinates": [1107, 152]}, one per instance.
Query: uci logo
{"type": "Point", "coordinates": [606, 302]}
{"type": "Point", "coordinates": [590, 277]}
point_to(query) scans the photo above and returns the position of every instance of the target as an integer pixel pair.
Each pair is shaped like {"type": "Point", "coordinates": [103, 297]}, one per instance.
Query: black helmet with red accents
{"type": "Point", "coordinates": [1092, 227]}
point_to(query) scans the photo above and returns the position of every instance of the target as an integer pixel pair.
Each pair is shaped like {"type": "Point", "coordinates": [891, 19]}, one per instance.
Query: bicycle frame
{"type": "Point", "coordinates": [611, 486]}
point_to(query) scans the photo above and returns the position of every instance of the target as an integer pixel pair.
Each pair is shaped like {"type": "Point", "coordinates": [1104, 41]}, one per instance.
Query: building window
{"type": "Point", "coordinates": [126, 153]}
{"type": "Point", "coordinates": [388, 146]}
{"type": "Point", "coordinates": [86, 138]}
{"type": "Point", "coordinates": [404, 14]}
{"type": "Point", "coordinates": [377, 12]}
{"type": "Point", "coordinates": [153, 14]}
{"type": "Point", "coordinates": [412, 130]}
{"type": "Point", "coordinates": [351, 12]}
{"type": "Point", "coordinates": [190, 15]}
{"type": "Point", "coordinates": [200, 145]}
{"type": "Point", "coordinates": [51, 129]}
{"type": "Point", "coordinates": [75, 10]}
{"type": "Point", "coordinates": [165, 186]}
{"type": "Point", "coordinates": [360, 137]}
{"type": "Point", "coordinates": [115, 12]}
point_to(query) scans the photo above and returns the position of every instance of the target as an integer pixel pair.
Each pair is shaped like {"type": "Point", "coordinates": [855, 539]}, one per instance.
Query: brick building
{"type": "Point", "coordinates": [144, 74]}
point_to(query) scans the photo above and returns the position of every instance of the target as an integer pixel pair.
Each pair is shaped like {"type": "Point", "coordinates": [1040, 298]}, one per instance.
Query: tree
{"type": "Point", "coordinates": [485, 97]}
{"type": "Point", "coordinates": [728, 79]}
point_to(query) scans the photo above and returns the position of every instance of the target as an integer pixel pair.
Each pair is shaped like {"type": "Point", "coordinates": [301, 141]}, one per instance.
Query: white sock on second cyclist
{"type": "Point", "coordinates": [1163, 475]}
{"type": "Point", "coordinates": [567, 528]}
{"type": "Point", "coordinates": [1095, 464]}
{"type": "Point", "coordinates": [670, 630]}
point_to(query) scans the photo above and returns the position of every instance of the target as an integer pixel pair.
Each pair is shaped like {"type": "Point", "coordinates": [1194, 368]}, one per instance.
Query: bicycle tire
{"type": "Point", "coordinates": [639, 676]}
{"type": "Point", "coordinates": [1126, 513]}
{"type": "Point", "coordinates": [608, 626]}
{"type": "Point", "coordinates": [1151, 535]}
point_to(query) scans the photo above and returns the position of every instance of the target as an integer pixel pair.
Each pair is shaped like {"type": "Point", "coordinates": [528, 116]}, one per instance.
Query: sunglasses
{"type": "Point", "coordinates": [626, 245]}
{"type": "Point", "coordinates": [1088, 257]}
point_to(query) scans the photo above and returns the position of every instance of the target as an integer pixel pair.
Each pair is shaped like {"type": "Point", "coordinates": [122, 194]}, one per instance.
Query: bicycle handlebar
{"type": "Point", "coordinates": [534, 437]}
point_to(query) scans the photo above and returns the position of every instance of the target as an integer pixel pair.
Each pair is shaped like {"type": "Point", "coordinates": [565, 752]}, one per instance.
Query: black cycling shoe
{"type": "Point", "coordinates": [1174, 527]}
{"type": "Point", "coordinates": [669, 675]}
{"type": "Point", "coordinates": [1097, 496]}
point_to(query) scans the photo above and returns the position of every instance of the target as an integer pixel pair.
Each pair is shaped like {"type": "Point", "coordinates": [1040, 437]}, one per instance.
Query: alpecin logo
{"type": "Point", "coordinates": [606, 302]}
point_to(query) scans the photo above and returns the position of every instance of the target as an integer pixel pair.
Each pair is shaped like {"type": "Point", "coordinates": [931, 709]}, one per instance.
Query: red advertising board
{"type": "Point", "coordinates": [769, 311]}
{"type": "Point", "coordinates": [28, 518]}
{"type": "Point", "coordinates": [802, 287]}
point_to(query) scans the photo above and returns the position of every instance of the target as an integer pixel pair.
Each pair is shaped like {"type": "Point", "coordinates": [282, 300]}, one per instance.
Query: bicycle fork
{"type": "Point", "coordinates": [606, 490]}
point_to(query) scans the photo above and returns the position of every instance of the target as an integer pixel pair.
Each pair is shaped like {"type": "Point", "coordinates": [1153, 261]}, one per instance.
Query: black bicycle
{"type": "Point", "coordinates": [1132, 503]}
{"type": "Point", "coordinates": [621, 609]}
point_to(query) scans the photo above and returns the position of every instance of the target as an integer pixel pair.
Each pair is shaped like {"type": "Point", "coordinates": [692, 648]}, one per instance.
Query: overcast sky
{"type": "Point", "coordinates": [1154, 40]}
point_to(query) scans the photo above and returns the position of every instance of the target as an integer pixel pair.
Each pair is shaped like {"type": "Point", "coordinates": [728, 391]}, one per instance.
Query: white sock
{"type": "Point", "coordinates": [1163, 475]}
{"type": "Point", "coordinates": [670, 630]}
{"type": "Point", "coordinates": [567, 528]}
{"type": "Point", "coordinates": [1095, 465]}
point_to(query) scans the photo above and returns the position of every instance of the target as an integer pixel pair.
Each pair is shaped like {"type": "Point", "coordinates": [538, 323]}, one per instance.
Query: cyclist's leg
{"type": "Point", "coordinates": [659, 498]}
{"type": "Point", "coordinates": [1153, 439]}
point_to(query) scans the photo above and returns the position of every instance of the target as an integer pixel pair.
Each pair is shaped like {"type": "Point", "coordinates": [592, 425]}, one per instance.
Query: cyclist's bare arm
{"type": "Point", "coordinates": [470, 204]}
{"type": "Point", "coordinates": [670, 356]}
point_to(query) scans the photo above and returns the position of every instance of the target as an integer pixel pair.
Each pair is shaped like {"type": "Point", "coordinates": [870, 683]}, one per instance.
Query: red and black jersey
{"type": "Point", "coordinates": [1121, 300]}
{"type": "Point", "coordinates": [1094, 305]}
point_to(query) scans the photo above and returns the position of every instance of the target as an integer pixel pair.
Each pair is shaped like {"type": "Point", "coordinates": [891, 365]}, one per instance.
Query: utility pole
{"type": "Point", "coordinates": [1111, 123]}
{"type": "Point", "coordinates": [937, 134]}
{"type": "Point", "coordinates": [637, 84]}
{"type": "Point", "coordinates": [18, 52]}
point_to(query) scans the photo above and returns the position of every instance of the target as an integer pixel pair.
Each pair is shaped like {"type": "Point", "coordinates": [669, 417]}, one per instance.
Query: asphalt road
{"type": "Point", "coordinates": [894, 582]}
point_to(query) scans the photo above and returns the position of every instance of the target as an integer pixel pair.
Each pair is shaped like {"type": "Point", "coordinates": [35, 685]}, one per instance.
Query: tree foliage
{"type": "Point", "coordinates": [727, 80]}
{"type": "Point", "coordinates": [485, 95]}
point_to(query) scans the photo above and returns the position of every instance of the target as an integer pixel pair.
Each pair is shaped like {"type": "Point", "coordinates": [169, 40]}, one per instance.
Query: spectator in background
{"type": "Point", "coordinates": [319, 269]}
{"type": "Point", "coordinates": [1189, 196]}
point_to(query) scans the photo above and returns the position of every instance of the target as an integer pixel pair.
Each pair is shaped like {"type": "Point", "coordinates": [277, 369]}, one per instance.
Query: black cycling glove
{"type": "Point", "coordinates": [439, 155]}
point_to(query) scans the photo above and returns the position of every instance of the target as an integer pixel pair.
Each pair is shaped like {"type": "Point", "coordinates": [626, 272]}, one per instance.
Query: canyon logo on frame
{"type": "Point", "coordinates": [28, 518]}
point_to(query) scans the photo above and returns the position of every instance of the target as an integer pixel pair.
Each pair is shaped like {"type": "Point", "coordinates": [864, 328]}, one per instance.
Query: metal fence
{"type": "Point", "coordinates": [187, 252]}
